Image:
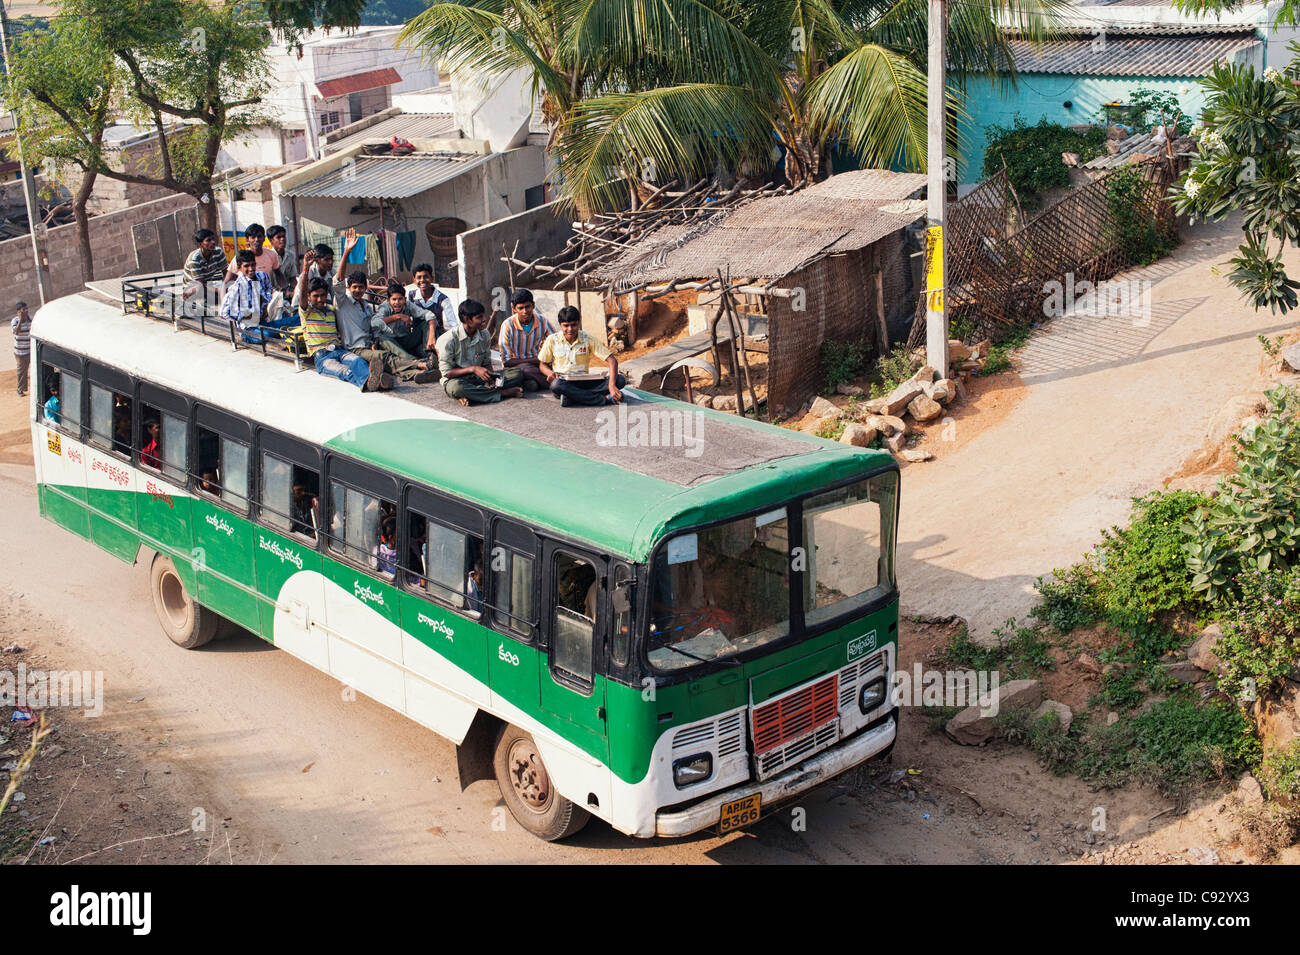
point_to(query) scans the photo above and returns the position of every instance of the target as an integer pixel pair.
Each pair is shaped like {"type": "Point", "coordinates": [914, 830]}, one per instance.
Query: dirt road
{"type": "Point", "coordinates": [303, 774]}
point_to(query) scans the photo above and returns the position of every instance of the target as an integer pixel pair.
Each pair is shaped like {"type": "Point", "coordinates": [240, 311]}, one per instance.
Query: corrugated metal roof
{"type": "Point", "coordinates": [1122, 52]}
{"type": "Point", "coordinates": [386, 177]}
{"type": "Point", "coordinates": [410, 126]}
{"type": "Point", "coordinates": [774, 236]}
{"type": "Point", "coordinates": [1141, 144]}
{"type": "Point", "coordinates": [357, 82]}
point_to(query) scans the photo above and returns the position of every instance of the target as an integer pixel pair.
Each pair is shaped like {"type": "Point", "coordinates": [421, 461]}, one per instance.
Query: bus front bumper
{"type": "Point", "coordinates": [811, 772]}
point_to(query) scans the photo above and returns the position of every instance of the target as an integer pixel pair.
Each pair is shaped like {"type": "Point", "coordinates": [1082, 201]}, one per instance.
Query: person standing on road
{"type": "Point", "coordinates": [21, 326]}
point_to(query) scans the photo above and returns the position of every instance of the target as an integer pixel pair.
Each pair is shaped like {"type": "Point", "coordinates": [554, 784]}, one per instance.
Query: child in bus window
{"type": "Point", "coordinates": [302, 509]}
{"type": "Point", "coordinates": [122, 429]}
{"type": "Point", "coordinates": [52, 406]}
{"type": "Point", "coordinates": [383, 556]}
{"type": "Point", "coordinates": [209, 483]}
{"type": "Point", "coordinates": [149, 453]}
{"type": "Point", "coordinates": [474, 590]}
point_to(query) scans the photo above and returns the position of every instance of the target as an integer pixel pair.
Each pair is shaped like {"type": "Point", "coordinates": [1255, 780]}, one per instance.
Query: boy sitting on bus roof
{"type": "Point", "coordinates": [322, 258]}
{"type": "Point", "coordinates": [320, 335]}
{"type": "Point", "coordinates": [465, 357]}
{"type": "Point", "coordinates": [565, 360]}
{"type": "Point", "coordinates": [521, 337]}
{"type": "Point", "coordinates": [249, 301]}
{"type": "Point", "coordinates": [405, 324]}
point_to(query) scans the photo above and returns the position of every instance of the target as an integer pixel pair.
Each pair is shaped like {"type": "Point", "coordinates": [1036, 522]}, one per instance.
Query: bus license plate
{"type": "Point", "coordinates": [737, 814]}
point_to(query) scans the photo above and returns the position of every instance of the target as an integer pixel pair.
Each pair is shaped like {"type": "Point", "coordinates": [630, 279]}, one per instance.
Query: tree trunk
{"type": "Point", "coordinates": [86, 253]}
{"type": "Point", "coordinates": [207, 210]}
{"type": "Point", "coordinates": [804, 160]}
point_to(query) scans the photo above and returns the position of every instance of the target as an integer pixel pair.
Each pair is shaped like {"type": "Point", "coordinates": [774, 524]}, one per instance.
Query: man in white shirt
{"type": "Point", "coordinates": [429, 297]}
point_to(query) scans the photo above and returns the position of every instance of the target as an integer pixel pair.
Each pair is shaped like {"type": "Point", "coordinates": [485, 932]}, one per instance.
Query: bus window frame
{"type": "Point", "coordinates": [522, 540]}
{"type": "Point", "coordinates": [453, 514]}
{"type": "Point", "coordinates": [365, 480]}
{"type": "Point", "coordinates": [174, 404]}
{"type": "Point", "coordinates": [294, 452]}
{"type": "Point", "coordinates": [798, 630]}
{"type": "Point", "coordinates": [65, 362]}
{"type": "Point", "coordinates": [551, 550]}
{"type": "Point", "coordinates": [228, 427]}
{"type": "Point", "coordinates": [117, 382]}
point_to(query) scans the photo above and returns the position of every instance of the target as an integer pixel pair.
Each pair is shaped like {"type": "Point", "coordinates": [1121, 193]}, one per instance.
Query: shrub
{"type": "Point", "coordinates": [1261, 639]}
{"type": "Point", "coordinates": [1067, 600]}
{"type": "Point", "coordinates": [843, 361]}
{"type": "Point", "coordinates": [1252, 523]}
{"type": "Point", "coordinates": [1142, 237]}
{"type": "Point", "coordinates": [892, 370]}
{"type": "Point", "coordinates": [999, 356]}
{"type": "Point", "coordinates": [1033, 153]}
{"type": "Point", "coordinates": [1280, 772]}
{"type": "Point", "coordinates": [1018, 652]}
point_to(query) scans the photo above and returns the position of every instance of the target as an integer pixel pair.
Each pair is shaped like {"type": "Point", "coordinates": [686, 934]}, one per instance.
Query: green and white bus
{"type": "Point", "coordinates": [660, 615]}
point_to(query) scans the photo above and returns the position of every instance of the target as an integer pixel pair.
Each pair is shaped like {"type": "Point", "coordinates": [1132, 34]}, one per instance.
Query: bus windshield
{"type": "Point", "coordinates": [726, 589]}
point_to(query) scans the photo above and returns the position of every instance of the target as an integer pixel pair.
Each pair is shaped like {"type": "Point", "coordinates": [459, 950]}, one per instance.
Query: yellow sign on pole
{"type": "Point", "coordinates": [934, 267]}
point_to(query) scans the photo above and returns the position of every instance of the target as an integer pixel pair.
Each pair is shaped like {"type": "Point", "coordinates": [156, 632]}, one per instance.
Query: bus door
{"type": "Point", "coordinates": [164, 502]}
{"type": "Point", "coordinates": [576, 617]}
{"type": "Point", "coordinates": [223, 537]}
{"type": "Point", "coordinates": [286, 558]}
{"type": "Point", "coordinates": [110, 474]}
{"type": "Point", "coordinates": [61, 456]}
{"type": "Point", "coordinates": [514, 581]}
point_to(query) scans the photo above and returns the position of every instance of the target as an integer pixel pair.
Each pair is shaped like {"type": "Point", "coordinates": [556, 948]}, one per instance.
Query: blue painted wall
{"type": "Point", "coordinates": [1043, 94]}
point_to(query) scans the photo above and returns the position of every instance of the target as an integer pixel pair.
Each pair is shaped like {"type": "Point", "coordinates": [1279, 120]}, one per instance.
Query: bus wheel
{"type": "Point", "coordinates": [186, 623]}
{"type": "Point", "coordinates": [528, 792]}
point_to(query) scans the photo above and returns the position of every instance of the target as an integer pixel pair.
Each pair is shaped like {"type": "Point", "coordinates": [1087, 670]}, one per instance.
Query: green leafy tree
{"type": "Point", "coordinates": [62, 89]}
{"type": "Point", "coordinates": [1248, 160]}
{"type": "Point", "coordinates": [665, 89]}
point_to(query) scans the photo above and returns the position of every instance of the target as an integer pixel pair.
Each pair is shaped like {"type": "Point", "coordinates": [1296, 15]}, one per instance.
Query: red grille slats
{"type": "Point", "coordinates": [789, 717]}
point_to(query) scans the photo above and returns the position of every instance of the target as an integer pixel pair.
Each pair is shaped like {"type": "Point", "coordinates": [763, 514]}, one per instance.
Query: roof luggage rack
{"type": "Point", "coordinates": [161, 297]}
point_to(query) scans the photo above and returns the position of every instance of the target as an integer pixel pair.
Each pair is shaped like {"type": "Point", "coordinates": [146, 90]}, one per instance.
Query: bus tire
{"type": "Point", "coordinates": [527, 789]}
{"type": "Point", "coordinates": [186, 623]}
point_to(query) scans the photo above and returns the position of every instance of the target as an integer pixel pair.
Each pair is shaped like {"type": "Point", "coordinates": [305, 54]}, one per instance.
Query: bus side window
{"type": "Point", "coordinates": [290, 496]}
{"type": "Point", "coordinates": [513, 590]}
{"type": "Point", "coordinates": [162, 442]}
{"type": "Point", "coordinates": [221, 467]}
{"type": "Point", "coordinates": [110, 420]}
{"type": "Point", "coordinates": [356, 521]}
{"type": "Point", "coordinates": [450, 563]}
{"type": "Point", "coordinates": [575, 617]}
{"type": "Point", "coordinates": [620, 598]}
{"type": "Point", "coordinates": [61, 398]}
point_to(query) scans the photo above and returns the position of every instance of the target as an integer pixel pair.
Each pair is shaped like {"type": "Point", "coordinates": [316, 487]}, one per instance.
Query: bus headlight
{"type": "Point", "coordinates": [692, 769]}
{"type": "Point", "coordinates": [871, 696]}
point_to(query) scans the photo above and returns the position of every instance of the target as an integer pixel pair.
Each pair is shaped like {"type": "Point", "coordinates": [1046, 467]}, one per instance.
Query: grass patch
{"type": "Point", "coordinates": [1019, 652]}
{"type": "Point", "coordinates": [999, 356]}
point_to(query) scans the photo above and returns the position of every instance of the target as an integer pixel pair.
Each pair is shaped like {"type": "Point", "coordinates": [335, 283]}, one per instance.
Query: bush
{"type": "Point", "coordinates": [1067, 601]}
{"type": "Point", "coordinates": [999, 356]}
{"type": "Point", "coordinates": [1252, 523]}
{"type": "Point", "coordinates": [1033, 153]}
{"type": "Point", "coordinates": [892, 370]}
{"type": "Point", "coordinates": [1018, 652]}
{"type": "Point", "coordinates": [1142, 569]}
{"type": "Point", "coordinates": [1142, 237]}
{"type": "Point", "coordinates": [1261, 640]}
{"type": "Point", "coordinates": [843, 361]}
{"type": "Point", "coordinates": [1280, 772]}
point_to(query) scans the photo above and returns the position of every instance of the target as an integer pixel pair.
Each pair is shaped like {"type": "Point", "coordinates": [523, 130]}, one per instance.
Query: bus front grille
{"type": "Point", "coordinates": [795, 715]}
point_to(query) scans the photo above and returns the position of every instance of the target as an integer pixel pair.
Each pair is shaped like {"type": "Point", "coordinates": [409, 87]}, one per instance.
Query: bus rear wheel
{"type": "Point", "coordinates": [527, 789]}
{"type": "Point", "coordinates": [186, 623]}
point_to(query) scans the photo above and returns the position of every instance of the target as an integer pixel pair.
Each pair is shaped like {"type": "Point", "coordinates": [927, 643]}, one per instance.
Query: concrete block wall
{"type": "Point", "coordinates": [110, 237]}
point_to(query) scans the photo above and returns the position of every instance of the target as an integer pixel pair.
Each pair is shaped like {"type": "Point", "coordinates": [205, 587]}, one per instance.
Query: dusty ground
{"type": "Point", "coordinates": [301, 773]}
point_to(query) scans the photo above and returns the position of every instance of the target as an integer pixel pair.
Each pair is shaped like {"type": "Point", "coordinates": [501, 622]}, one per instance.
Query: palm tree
{"type": "Point", "coordinates": [676, 86]}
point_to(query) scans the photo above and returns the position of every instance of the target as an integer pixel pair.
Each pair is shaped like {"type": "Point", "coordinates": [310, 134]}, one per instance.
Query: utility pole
{"type": "Point", "coordinates": [936, 314]}
{"type": "Point", "coordinates": [29, 185]}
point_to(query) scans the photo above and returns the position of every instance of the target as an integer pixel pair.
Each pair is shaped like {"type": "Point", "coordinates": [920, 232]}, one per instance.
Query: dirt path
{"type": "Point", "coordinates": [1108, 411]}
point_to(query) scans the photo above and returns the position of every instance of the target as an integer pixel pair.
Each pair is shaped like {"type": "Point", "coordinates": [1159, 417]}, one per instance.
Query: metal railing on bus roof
{"type": "Point", "coordinates": [162, 297]}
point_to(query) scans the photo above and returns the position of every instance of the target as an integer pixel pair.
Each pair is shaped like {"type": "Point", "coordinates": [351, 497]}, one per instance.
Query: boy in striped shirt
{"type": "Point", "coordinates": [521, 338]}
{"type": "Point", "coordinates": [21, 326]}
{"type": "Point", "coordinates": [320, 333]}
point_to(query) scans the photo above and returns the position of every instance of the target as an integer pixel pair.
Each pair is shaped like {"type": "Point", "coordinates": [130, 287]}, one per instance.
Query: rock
{"type": "Point", "coordinates": [925, 374]}
{"type": "Point", "coordinates": [875, 406]}
{"type": "Point", "coordinates": [726, 402]}
{"type": "Point", "coordinates": [971, 366]}
{"type": "Point", "coordinates": [957, 351]}
{"type": "Point", "coordinates": [896, 442]}
{"type": "Point", "coordinates": [975, 725]}
{"type": "Point", "coordinates": [916, 455]}
{"type": "Point", "coordinates": [1201, 653]}
{"type": "Point", "coordinates": [1064, 715]}
{"type": "Point", "coordinates": [820, 407]}
{"type": "Point", "coordinates": [1184, 671]}
{"type": "Point", "coordinates": [1089, 663]}
{"type": "Point", "coordinates": [983, 348]}
{"type": "Point", "coordinates": [901, 397]}
{"type": "Point", "coordinates": [706, 401]}
{"type": "Point", "coordinates": [1112, 718]}
{"type": "Point", "coordinates": [924, 409]}
{"type": "Point", "coordinates": [1227, 420]}
{"type": "Point", "coordinates": [858, 435]}
{"type": "Point", "coordinates": [1249, 791]}
{"type": "Point", "coordinates": [942, 391]}
{"type": "Point", "coordinates": [1291, 356]}
{"type": "Point", "coordinates": [886, 424]}
{"type": "Point", "coordinates": [853, 391]}
{"type": "Point", "coordinates": [961, 389]}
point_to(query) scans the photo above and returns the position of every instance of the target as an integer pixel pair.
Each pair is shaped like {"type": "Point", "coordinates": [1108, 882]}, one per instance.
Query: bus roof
{"type": "Point", "coordinates": [617, 478]}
